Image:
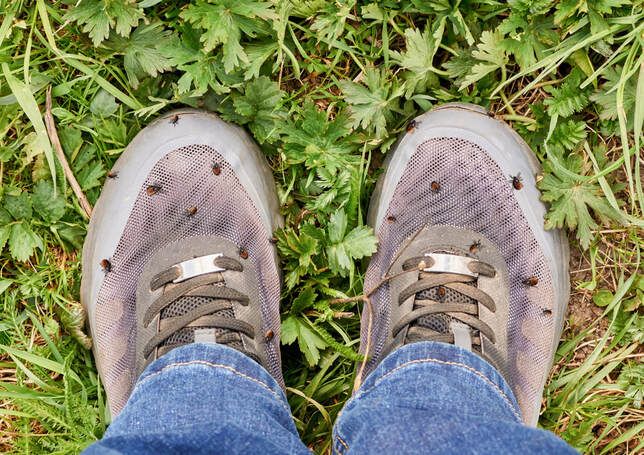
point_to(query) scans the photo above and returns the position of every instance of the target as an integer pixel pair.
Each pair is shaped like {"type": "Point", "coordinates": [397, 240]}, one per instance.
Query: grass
{"type": "Point", "coordinates": [325, 88]}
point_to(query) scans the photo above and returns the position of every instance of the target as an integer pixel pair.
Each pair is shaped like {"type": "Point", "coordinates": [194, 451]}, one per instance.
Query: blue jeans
{"type": "Point", "coordinates": [424, 397]}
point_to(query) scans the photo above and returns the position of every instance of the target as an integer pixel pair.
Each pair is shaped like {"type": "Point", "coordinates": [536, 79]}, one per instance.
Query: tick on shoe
{"type": "Point", "coordinates": [106, 265]}
{"type": "Point", "coordinates": [517, 181]}
{"type": "Point", "coordinates": [152, 190]}
{"type": "Point", "coordinates": [531, 281]}
{"type": "Point", "coordinates": [411, 126]}
{"type": "Point", "coordinates": [474, 247]}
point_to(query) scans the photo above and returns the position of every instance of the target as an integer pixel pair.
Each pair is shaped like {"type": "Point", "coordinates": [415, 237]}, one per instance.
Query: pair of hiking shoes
{"type": "Point", "coordinates": [179, 250]}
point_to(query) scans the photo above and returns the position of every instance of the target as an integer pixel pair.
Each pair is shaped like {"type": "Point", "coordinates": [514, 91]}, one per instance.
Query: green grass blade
{"type": "Point", "coordinates": [28, 104]}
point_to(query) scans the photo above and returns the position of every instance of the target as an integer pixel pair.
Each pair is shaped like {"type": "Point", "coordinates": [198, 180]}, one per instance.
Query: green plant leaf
{"type": "Point", "coordinates": [103, 104]}
{"type": "Point", "coordinates": [529, 32]}
{"type": "Point", "coordinates": [309, 342]}
{"type": "Point", "coordinates": [491, 55]}
{"type": "Point", "coordinates": [49, 205]}
{"type": "Point", "coordinates": [224, 21]}
{"type": "Point", "coordinates": [23, 242]}
{"type": "Point", "coordinates": [568, 135]}
{"type": "Point", "coordinates": [18, 205]}
{"type": "Point", "coordinates": [260, 108]}
{"type": "Point", "coordinates": [343, 249]}
{"type": "Point", "coordinates": [374, 105]}
{"type": "Point", "coordinates": [97, 17]}
{"type": "Point", "coordinates": [568, 98]}
{"type": "Point", "coordinates": [572, 199]}
{"type": "Point", "coordinates": [603, 297]}
{"type": "Point", "coordinates": [141, 51]}
{"type": "Point", "coordinates": [418, 60]}
{"type": "Point", "coordinates": [303, 301]}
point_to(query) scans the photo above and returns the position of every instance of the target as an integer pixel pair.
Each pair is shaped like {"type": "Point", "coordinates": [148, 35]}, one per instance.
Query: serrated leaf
{"type": "Point", "coordinates": [304, 300]}
{"type": "Point", "coordinates": [298, 251]}
{"type": "Point", "coordinates": [568, 135]}
{"type": "Point", "coordinates": [330, 22]}
{"type": "Point", "coordinates": [568, 8]}
{"type": "Point", "coordinates": [23, 242]}
{"type": "Point", "coordinates": [417, 59]}
{"type": "Point", "coordinates": [459, 66]}
{"type": "Point", "coordinates": [491, 55]}
{"type": "Point", "coordinates": [224, 21]}
{"type": "Point", "coordinates": [373, 11]}
{"type": "Point", "coordinates": [18, 205]}
{"type": "Point", "coordinates": [309, 342]}
{"type": "Point", "coordinates": [258, 54]}
{"type": "Point", "coordinates": [318, 142]}
{"type": "Point", "coordinates": [606, 95]}
{"type": "Point", "coordinates": [374, 105]}
{"type": "Point", "coordinates": [201, 69]}
{"type": "Point", "coordinates": [361, 242]}
{"type": "Point", "coordinates": [5, 217]}
{"type": "Point", "coordinates": [529, 36]}
{"type": "Point", "coordinates": [141, 52]}
{"type": "Point", "coordinates": [289, 330]}
{"type": "Point", "coordinates": [50, 206]}
{"type": "Point", "coordinates": [344, 249]}
{"type": "Point", "coordinates": [572, 199]}
{"type": "Point", "coordinates": [5, 230]}
{"type": "Point", "coordinates": [97, 17]}
{"type": "Point", "coordinates": [260, 108]}
{"type": "Point", "coordinates": [568, 98]}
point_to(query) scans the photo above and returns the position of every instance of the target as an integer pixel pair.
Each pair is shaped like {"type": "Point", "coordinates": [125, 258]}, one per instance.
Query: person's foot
{"type": "Point", "coordinates": [178, 250]}
{"type": "Point", "coordinates": [460, 228]}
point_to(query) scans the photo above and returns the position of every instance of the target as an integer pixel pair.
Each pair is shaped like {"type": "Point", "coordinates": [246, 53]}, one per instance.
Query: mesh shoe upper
{"type": "Point", "coordinates": [451, 180]}
{"type": "Point", "coordinates": [199, 169]}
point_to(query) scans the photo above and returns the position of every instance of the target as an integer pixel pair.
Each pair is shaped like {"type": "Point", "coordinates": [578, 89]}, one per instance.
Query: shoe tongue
{"type": "Point", "coordinates": [440, 322]}
{"type": "Point", "coordinates": [186, 335]}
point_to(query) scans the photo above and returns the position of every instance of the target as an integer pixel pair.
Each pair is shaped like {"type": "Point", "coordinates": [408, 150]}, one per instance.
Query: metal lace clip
{"type": "Point", "coordinates": [197, 266]}
{"type": "Point", "coordinates": [450, 263]}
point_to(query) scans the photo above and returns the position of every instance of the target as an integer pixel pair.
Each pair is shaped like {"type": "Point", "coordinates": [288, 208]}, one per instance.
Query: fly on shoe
{"type": "Point", "coordinates": [178, 250]}
{"type": "Point", "coordinates": [463, 255]}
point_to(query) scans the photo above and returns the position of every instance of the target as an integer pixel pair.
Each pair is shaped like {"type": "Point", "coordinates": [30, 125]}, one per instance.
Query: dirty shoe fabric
{"type": "Point", "coordinates": [182, 291]}
{"type": "Point", "coordinates": [463, 257]}
{"type": "Point", "coordinates": [178, 250]}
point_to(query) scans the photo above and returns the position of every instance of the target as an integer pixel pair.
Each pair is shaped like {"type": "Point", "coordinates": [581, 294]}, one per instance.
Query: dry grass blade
{"type": "Point", "coordinates": [58, 149]}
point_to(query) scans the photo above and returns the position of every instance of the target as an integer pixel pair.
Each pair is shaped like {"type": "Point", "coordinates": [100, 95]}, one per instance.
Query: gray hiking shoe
{"type": "Point", "coordinates": [178, 250]}
{"type": "Point", "coordinates": [460, 229]}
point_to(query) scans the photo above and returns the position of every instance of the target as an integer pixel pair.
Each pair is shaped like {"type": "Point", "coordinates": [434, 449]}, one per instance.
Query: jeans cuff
{"type": "Point", "coordinates": [225, 359]}
{"type": "Point", "coordinates": [443, 354]}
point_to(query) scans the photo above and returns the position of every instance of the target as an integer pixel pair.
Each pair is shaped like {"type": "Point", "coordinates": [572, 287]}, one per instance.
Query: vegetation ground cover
{"type": "Point", "coordinates": [325, 88]}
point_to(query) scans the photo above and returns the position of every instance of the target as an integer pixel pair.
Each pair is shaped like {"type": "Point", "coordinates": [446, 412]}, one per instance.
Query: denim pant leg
{"type": "Point", "coordinates": [437, 398]}
{"type": "Point", "coordinates": [203, 398]}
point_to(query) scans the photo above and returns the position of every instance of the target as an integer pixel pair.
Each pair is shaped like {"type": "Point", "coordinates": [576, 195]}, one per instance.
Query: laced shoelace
{"type": "Point", "coordinates": [466, 313]}
{"type": "Point", "coordinates": [218, 298]}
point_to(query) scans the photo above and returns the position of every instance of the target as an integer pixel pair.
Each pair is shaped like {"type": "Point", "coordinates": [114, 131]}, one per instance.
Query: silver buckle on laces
{"type": "Point", "coordinates": [197, 266]}
{"type": "Point", "coordinates": [450, 263]}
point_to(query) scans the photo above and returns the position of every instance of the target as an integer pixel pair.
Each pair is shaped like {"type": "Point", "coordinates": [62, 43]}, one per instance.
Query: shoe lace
{"type": "Point", "coordinates": [463, 315]}
{"type": "Point", "coordinates": [217, 300]}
